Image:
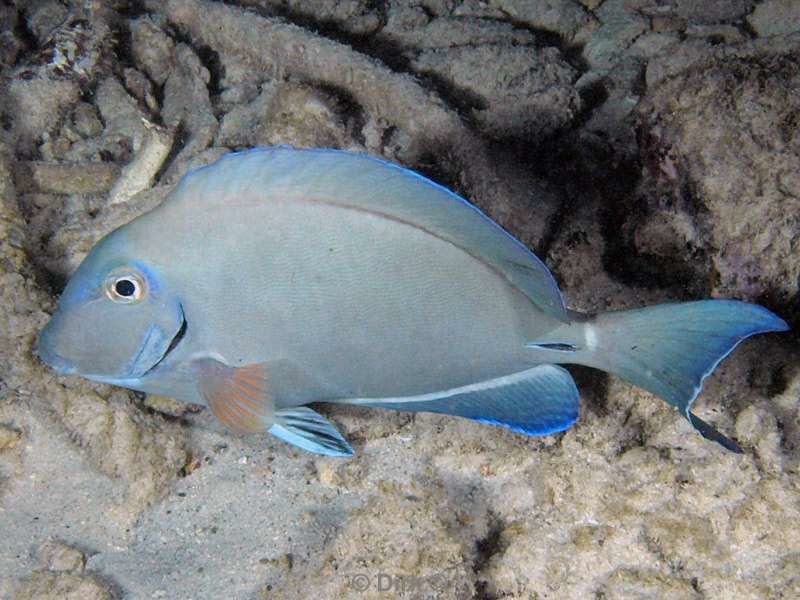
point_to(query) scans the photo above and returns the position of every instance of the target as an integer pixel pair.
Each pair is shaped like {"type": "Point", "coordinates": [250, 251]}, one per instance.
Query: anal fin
{"type": "Point", "coordinates": [536, 401]}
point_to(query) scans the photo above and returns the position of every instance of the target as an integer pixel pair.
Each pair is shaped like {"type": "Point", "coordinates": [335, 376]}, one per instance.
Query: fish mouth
{"type": "Point", "coordinates": [56, 362]}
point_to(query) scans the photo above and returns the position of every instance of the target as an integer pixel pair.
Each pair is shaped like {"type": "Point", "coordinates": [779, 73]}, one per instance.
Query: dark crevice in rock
{"type": "Point", "coordinates": [329, 28]}
{"type": "Point", "coordinates": [23, 32]}
{"type": "Point", "coordinates": [207, 56]}
{"type": "Point", "coordinates": [131, 10]}
{"type": "Point", "coordinates": [685, 271]}
{"type": "Point", "coordinates": [347, 107]}
{"type": "Point", "coordinates": [180, 137]}
{"type": "Point", "coordinates": [124, 55]}
{"type": "Point", "coordinates": [485, 548]}
{"type": "Point", "coordinates": [395, 56]}
{"type": "Point", "coordinates": [210, 59]}
{"type": "Point", "coordinates": [122, 47]}
{"type": "Point", "coordinates": [593, 384]}
{"type": "Point", "coordinates": [572, 53]}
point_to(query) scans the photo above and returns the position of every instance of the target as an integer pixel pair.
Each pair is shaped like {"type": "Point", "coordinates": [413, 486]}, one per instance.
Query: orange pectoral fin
{"type": "Point", "coordinates": [238, 396]}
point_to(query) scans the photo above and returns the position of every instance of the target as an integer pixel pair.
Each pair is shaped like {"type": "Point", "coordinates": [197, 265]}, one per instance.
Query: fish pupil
{"type": "Point", "coordinates": [125, 287]}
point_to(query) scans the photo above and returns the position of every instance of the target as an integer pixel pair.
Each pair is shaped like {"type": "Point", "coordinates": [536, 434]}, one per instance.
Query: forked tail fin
{"type": "Point", "coordinates": [669, 349]}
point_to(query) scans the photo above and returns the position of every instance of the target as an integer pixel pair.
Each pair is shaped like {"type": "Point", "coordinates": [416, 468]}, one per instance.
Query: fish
{"type": "Point", "coordinates": [279, 277]}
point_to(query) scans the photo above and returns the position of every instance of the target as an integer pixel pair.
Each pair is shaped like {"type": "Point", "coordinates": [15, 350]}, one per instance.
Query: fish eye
{"type": "Point", "coordinates": [125, 286]}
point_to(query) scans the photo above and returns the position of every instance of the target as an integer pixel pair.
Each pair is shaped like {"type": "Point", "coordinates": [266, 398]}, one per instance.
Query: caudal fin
{"type": "Point", "coordinates": [669, 349]}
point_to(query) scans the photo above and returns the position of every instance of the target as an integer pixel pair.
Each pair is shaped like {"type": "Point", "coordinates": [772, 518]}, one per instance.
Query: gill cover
{"type": "Point", "coordinates": [115, 319]}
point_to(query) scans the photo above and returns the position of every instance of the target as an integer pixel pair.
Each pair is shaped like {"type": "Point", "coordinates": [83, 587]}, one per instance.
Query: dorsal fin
{"type": "Point", "coordinates": [360, 182]}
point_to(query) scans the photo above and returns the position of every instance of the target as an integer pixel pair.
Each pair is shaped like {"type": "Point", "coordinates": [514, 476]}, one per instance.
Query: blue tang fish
{"type": "Point", "coordinates": [278, 277]}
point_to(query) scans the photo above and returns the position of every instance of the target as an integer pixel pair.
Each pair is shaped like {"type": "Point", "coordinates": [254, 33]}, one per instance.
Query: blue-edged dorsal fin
{"type": "Point", "coordinates": [537, 401]}
{"type": "Point", "coordinates": [360, 182]}
{"type": "Point", "coordinates": [310, 431]}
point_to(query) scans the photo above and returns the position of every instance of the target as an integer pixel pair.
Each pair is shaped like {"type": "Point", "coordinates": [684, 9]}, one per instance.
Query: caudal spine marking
{"type": "Point", "coordinates": [591, 336]}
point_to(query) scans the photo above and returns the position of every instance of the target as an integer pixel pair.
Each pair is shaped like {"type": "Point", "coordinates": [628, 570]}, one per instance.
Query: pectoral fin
{"type": "Point", "coordinates": [310, 431]}
{"type": "Point", "coordinates": [238, 396]}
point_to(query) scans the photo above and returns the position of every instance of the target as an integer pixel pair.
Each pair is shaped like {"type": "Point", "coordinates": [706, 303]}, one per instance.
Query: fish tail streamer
{"type": "Point", "coordinates": [669, 349]}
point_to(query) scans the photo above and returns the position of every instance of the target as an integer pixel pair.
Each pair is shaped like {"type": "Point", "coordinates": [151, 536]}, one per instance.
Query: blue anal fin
{"type": "Point", "coordinates": [537, 401]}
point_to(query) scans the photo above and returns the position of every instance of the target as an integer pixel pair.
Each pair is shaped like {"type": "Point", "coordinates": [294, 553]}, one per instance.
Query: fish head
{"type": "Point", "coordinates": [116, 319]}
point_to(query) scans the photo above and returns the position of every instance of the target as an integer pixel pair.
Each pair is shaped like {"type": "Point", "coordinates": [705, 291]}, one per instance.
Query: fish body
{"type": "Point", "coordinates": [278, 277]}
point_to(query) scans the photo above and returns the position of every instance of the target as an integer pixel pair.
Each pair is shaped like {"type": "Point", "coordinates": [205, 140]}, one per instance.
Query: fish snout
{"type": "Point", "coordinates": [44, 350]}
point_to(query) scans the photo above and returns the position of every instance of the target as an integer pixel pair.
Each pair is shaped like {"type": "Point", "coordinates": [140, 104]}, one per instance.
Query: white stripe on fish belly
{"type": "Point", "coordinates": [441, 395]}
